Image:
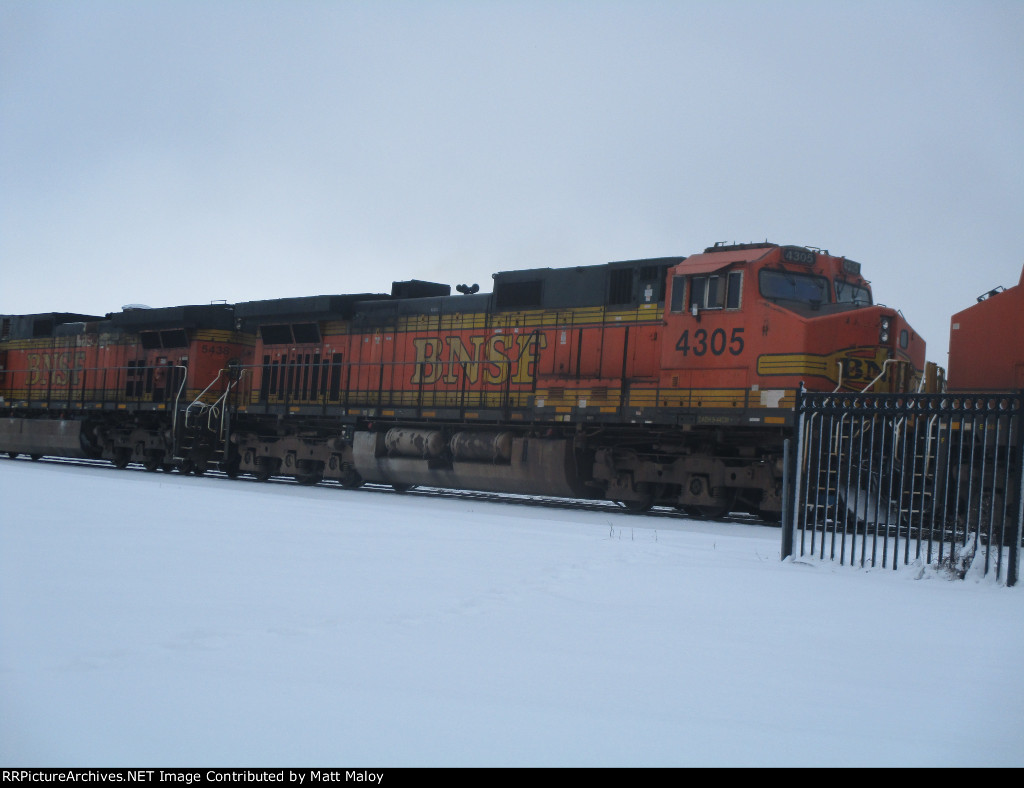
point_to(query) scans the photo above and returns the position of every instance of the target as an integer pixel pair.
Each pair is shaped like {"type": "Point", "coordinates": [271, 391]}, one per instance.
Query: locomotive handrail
{"type": "Point", "coordinates": [216, 407]}
{"type": "Point", "coordinates": [177, 396]}
{"type": "Point", "coordinates": [77, 377]}
{"type": "Point", "coordinates": [881, 374]}
{"type": "Point", "coordinates": [198, 400]}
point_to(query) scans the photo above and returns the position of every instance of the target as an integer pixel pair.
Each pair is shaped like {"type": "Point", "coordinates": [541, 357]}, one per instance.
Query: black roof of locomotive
{"type": "Point", "coordinates": [303, 309]}
{"type": "Point", "coordinates": [645, 262]}
{"type": "Point", "coordinates": [623, 283]}
{"type": "Point", "coordinates": [211, 316]}
{"type": "Point", "coordinates": [42, 324]}
{"type": "Point", "coordinates": [416, 288]}
{"type": "Point", "coordinates": [385, 313]}
{"type": "Point", "coordinates": [619, 283]}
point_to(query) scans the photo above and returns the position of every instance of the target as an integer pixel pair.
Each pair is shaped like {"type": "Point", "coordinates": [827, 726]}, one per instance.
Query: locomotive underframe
{"type": "Point", "coordinates": [704, 471]}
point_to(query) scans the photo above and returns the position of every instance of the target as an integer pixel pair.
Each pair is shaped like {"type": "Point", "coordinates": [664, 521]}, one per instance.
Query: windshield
{"type": "Point", "coordinates": [806, 288]}
{"type": "Point", "coordinates": [847, 293]}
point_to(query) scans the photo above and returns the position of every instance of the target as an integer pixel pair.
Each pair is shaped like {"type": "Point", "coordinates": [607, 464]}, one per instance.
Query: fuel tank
{"type": "Point", "coordinates": [56, 437]}
{"type": "Point", "coordinates": [534, 466]}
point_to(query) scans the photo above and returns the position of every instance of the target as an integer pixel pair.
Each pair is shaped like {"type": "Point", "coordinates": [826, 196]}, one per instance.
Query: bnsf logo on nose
{"type": "Point", "coordinates": [864, 369]}
{"type": "Point", "coordinates": [494, 358]}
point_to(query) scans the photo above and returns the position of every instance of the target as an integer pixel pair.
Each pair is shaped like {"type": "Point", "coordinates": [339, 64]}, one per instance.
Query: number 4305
{"type": "Point", "coordinates": [716, 344]}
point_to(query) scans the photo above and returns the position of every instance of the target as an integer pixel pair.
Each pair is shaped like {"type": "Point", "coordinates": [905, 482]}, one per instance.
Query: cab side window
{"type": "Point", "coordinates": [703, 292]}
{"type": "Point", "coordinates": [714, 291]}
{"type": "Point", "coordinates": [734, 287]}
{"type": "Point", "coordinates": [678, 294]}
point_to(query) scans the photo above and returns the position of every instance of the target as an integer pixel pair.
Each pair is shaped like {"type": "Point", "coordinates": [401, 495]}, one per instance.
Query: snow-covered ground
{"type": "Point", "coordinates": [161, 620]}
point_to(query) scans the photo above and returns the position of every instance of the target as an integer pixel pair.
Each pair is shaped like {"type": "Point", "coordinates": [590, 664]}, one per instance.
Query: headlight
{"type": "Point", "coordinates": [883, 332]}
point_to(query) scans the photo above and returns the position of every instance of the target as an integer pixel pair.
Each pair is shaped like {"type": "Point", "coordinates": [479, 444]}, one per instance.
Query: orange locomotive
{"type": "Point", "coordinates": [665, 381]}
{"type": "Point", "coordinates": [985, 447]}
{"type": "Point", "coordinates": [986, 342]}
{"type": "Point", "coordinates": [111, 387]}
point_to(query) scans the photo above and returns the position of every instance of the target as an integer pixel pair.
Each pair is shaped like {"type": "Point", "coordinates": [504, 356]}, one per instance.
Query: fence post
{"type": "Point", "coordinates": [1012, 566]}
{"type": "Point", "coordinates": [787, 507]}
{"type": "Point", "coordinates": [789, 480]}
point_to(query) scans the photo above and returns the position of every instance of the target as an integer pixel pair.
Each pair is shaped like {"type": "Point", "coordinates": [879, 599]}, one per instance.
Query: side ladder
{"type": "Point", "coordinates": [202, 432]}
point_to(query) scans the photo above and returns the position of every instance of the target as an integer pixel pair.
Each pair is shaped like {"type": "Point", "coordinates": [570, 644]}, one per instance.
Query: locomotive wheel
{"type": "Point", "coordinates": [13, 455]}
{"type": "Point", "coordinates": [121, 458]}
{"type": "Point", "coordinates": [351, 479]}
{"type": "Point", "coordinates": [647, 493]}
{"type": "Point", "coordinates": [186, 467]}
{"type": "Point", "coordinates": [308, 474]}
{"type": "Point", "coordinates": [153, 464]}
{"type": "Point", "coordinates": [35, 457]}
{"type": "Point", "coordinates": [231, 468]}
{"type": "Point", "coordinates": [403, 488]}
{"type": "Point", "coordinates": [264, 469]}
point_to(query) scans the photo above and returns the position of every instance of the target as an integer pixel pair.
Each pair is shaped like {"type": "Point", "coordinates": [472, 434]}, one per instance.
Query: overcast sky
{"type": "Point", "coordinates": [184, 152]}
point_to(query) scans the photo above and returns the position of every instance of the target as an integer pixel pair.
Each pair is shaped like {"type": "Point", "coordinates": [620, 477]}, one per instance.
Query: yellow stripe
{"type": "Point", "coordinates": [221, 335]}
{"type": "Point", "coordinates": [579, 317]}
{"type": "Point", "coordinates": [792, 364]}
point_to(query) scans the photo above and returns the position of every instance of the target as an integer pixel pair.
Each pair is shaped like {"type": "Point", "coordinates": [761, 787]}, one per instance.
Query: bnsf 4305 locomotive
{"type": "Point", "coordinates": [665, 381]}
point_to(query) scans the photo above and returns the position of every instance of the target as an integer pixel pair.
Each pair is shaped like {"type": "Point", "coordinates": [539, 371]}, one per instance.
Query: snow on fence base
{"type": "Point", "coordinates": [895, 479]}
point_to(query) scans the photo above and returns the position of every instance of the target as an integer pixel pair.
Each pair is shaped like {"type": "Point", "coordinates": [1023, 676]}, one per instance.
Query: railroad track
{"type": "Point", "coordinates": [571, 504]}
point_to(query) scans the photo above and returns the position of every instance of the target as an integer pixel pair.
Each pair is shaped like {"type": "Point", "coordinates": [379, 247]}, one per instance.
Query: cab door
{"type": "Point", "coordinates": [705, 344]}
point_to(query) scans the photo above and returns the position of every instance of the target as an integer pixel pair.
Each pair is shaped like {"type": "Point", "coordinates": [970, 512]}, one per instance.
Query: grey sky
{"type": "Point", "coordinates": [183, 152]}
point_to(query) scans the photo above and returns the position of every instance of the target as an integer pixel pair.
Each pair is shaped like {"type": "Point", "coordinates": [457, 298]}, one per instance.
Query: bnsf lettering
{"type": "Point", "coordinates": [490, 359]}
{"type": "Point", "coordinates": [55, 367]}
{"type": "Point", "coordinates": [717, 344]}
{"type": "Point", "coordinates": [862, 369]}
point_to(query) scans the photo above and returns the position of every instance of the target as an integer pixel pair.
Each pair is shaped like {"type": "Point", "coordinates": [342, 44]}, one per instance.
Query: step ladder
{"type": "Point", "coordinates": [202, 429]}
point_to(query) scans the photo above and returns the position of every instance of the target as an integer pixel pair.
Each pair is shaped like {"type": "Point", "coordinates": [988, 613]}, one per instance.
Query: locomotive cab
{"type": "Point", "coordinates": [748, 324]}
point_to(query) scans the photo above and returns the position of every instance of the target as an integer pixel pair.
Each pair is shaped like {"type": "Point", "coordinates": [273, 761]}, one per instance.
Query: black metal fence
{"type": "Point", "coordinates": [895, 479]}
